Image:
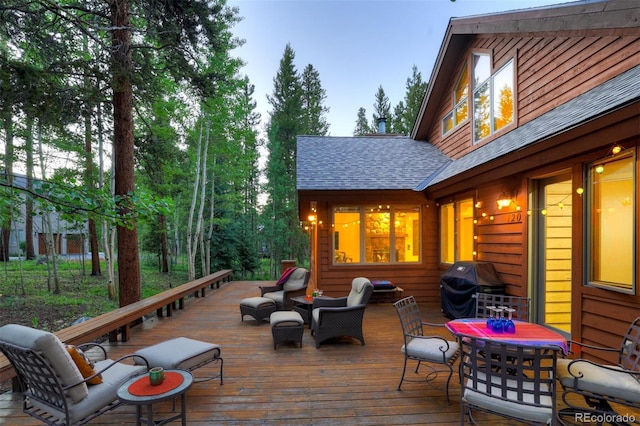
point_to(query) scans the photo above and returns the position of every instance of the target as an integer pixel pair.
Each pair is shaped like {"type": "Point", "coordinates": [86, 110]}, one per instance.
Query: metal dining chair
{"type": "Point", "coordinates": [513, 381]}
{"type": "Point", "coordinates": [430, 349]}
{"type": "Point", "coordinates": [485, 300]}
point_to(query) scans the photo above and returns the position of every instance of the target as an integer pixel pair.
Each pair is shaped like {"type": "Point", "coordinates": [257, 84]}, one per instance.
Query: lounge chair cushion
{"type": "Point", "coordinates": [52, 350]}
{"type": "Point", "coordinates": [102, 394]}
{"type": "Point", "coordinates": [599, 380]}
{"type": "Point", "coordinates": [513, 408]}
{"type": "Point", "coordinates": [180, 352]}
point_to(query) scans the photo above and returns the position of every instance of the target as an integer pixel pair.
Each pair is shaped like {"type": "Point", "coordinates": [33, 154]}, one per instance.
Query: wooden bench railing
{"type": "Point", "coordinates": [119, 320]}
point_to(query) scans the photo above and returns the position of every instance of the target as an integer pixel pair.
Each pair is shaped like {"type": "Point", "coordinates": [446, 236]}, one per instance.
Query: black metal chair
{"type": "Point", "coordinates": [512, 381]}
{"type": "Point", "coordinates": [600, 384]}
{"type": "Point", "coordinates": [430, 349]}
{"type": "Point", "coordinates": [485, 300]}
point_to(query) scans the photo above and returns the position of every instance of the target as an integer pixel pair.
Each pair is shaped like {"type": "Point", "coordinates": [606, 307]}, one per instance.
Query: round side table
{"type": "Point", "coordinates": [148, 400]}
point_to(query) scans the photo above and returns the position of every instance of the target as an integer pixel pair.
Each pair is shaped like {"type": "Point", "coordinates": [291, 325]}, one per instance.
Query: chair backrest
{"type": "Point", "coordinates": [361, 290]}
{"type": "Point", "coordinates": [298, 279]}
{"type": "Point", "coordinates": [629, 358]}
{"type": "Point", "coordinates": [410, 318]}
{"type": "Point", "coordinates": [43, 365]}
{"type": "Point", "coordinates": [484, 300]}
{"type": "Point", "coordinates": [516, 381]}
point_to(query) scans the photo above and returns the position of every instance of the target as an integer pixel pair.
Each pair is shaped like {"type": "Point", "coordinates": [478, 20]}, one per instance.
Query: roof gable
{"type": "Point", "coordinates": [621, 90]}
{"type": "Point", "coordinates": [575, 18]}
{"type": "Point", "coordinates": [365, 163]}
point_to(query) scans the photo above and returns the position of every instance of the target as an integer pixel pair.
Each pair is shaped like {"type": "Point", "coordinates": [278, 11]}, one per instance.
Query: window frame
{"type": "Point", "coordinates": [590, 232]}
{"type": "Point", "coordinates": [494, 71]}
{"type": "Point", "coordinates": [455, 240]}
{"type": "Point", "coordinates": [363, 210]}
{"type": "Point", "coordinates": [451, 115]}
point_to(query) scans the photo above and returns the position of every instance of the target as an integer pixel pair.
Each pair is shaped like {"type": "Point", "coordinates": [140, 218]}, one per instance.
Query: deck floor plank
{"type": "Point", "coordinates": [340, 383]}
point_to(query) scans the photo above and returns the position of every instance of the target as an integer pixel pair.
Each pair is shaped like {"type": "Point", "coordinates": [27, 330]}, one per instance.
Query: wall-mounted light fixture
{"type": "Point", "coordinates": [504, 200]}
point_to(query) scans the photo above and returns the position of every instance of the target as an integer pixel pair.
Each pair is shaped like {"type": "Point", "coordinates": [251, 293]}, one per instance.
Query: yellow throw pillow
{"type": "Point", "coordinates": [84, 364]}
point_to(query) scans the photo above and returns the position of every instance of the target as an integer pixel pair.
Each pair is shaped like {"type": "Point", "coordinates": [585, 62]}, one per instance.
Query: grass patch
{"type": "Point", "coordinates": [27, 297]}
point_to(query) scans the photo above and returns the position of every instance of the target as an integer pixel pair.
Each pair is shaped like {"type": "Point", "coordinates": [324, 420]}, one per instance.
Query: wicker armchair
{"type": "Point", "coordinates": [513, 381]}
{"type": "Point", "coordinates": [601, 385]}
{"type": "Point", "coordinates": [294, 284]}
{"type": "Point", "coordinates": [54, 389]}
{"type": "Point", "coordinates": [342, 316]}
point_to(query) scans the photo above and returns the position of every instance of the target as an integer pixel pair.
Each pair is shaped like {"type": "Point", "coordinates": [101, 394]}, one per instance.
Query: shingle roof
{"type": "Point", "coordinates": [365, 163]}
{"type": "Point", "coordinates": [618, 91]}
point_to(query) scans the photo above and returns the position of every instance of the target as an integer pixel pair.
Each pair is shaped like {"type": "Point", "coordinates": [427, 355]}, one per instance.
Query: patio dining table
{"type": "Point", "coordinates": [526, 333]}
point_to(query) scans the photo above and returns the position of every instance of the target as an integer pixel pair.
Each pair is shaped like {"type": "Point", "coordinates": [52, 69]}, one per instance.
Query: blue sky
{"type": "Point", "coordinates": [355, 45]}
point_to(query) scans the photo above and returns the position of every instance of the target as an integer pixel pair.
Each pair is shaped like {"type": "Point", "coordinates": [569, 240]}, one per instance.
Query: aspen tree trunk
{"type": "Point", "coordinates": [108, 231]}
{"type": "Point", "coordinates": [203, 191]}
{"type": "Point", "coordinates": [52, 261]}
{"type": "Point", "coordinates": [191, 239]}
{"type": "Point", "coordinates": [207, 248]}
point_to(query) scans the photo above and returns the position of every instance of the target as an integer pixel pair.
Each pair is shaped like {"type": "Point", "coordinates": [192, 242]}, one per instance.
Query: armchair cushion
{"type": "Point", "coordinates": [297, 280]}
{"type": "Point", "coordinates": [512, 407]}
{"type": "Point", "coordinates": [276, 296]}
{"type": "Point", "coordinates": [599, 379]}
{"type": "Point", "coordinates": [52, 350]}
{"type": "Point", "coordinates": [430, 349]}
{"type": "Point", "coordinates": [359, 294]}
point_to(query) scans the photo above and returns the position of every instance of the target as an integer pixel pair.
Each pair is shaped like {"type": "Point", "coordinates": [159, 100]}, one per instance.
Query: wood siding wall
{"type": "Point", "coordinates": [550, 71]}
{"type": "Point", "coordinates": [422, 280]}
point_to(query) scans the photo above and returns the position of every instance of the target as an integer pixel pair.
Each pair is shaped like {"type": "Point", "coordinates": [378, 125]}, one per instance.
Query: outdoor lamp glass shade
{"type": "Point", "coordinates": [503, 202]}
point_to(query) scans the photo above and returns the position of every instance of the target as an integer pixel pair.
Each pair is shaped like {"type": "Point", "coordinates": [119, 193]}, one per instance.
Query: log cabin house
{"type": "Point", "coordinates": [524, 154]}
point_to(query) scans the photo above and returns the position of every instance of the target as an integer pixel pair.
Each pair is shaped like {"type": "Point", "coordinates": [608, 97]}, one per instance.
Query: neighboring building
{"type": "Point", "coordinates": [68, 239]}
{"type": "Point", "coordinates": [527, 145]}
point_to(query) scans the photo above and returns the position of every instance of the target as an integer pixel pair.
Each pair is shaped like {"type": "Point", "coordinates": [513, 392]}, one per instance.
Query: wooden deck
{"type": "Point", "coordinates": [340, 383]}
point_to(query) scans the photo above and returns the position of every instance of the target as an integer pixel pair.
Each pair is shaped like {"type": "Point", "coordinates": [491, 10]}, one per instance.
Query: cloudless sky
{"type": "Point", "coordinates": [355, 45]}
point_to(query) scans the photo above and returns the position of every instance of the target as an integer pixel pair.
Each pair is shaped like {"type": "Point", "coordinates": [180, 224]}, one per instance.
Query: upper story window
{"type": "Point", "coordinates": [493, 96]}
{"type": "Point", "coordinates": [376, 234]}
{"type": "Point", "coordinates": [460, 110]}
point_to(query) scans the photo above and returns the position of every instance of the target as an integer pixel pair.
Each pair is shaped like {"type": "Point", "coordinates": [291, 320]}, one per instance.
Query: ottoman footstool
{"type": "Point", "coordinates": [286, 326]}
{"type": "Point", "coordinates": [183, 354]}
{"type": "Point", "coordinates": [259, 308]}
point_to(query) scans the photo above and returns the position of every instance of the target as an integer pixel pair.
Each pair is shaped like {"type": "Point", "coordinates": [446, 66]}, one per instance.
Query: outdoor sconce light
{"type": "Point", "coordinates": [312, 218]}
{"type": "Point", "coordinates": [504, 201]}
{"type": "Point", "coordinates": [580, 191]}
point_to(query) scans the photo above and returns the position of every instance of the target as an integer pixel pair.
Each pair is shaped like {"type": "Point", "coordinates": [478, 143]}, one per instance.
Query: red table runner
{"type": "Point", "coordinates": [527, 333]}
{"type": "Point", "coordinates": [143, 387]}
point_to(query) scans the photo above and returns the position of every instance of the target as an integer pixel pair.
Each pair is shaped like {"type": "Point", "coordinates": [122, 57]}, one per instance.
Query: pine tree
{"type": "Point", "coordinates": [416, 89]}
{"type": "Point", "coordinates": [313, 109]}
{"type": "Point", "coordinates": [362, 126]}
{"type": "Point", "coordinates": [285, 124]}
{"type": "Point", "coordinates": [382, 109]}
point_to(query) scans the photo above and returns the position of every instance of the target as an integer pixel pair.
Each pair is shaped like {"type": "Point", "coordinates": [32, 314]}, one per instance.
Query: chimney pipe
{"type": "Point", "coordinates": [382, 121]}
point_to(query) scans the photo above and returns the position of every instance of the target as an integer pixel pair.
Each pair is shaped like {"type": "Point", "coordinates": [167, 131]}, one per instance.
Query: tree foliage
{"type": "Point", "coordinates": [404, 114]}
